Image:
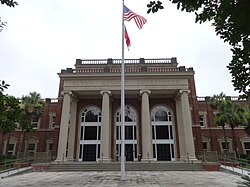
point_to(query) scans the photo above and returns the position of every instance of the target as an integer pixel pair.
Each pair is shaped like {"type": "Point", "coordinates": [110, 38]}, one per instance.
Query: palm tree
{"type": "Point", "coordinates": [247, 116]}
{"type": "Point", "coordinates": [216, 101]}
{"type": "Point", "coordinates": [228, 113]}
{"type": "Point", "coordinates": [32, 107]}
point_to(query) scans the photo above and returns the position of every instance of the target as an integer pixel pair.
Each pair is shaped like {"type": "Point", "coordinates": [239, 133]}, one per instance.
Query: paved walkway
{"type": "Point", "coordinates": [111, 179]}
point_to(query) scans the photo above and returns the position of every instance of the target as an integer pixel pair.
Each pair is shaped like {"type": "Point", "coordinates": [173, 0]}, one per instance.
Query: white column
{"type": "Point", "coordinates": [72, 130]}
{"type": "Point", "coordinates": [63, 136]}
{"type": "Point", "coordinates": [182, 146]}
{"type": "Point", "coordinates": [146, 127]}
{"type": "Point", "coordinates": [105, 152]}
{"type": "Point", "coordinates": [187, 125]}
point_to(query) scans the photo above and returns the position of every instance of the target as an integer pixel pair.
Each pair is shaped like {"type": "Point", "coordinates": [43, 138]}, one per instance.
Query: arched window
{"type": "Point", "coordinates": [90, 134]}
{"type": "Point", "coordinates": [130, 133]}
{"type": "Point", "coordinates": [91, 114]}
{"type": "Point", "coordinates": [160, 113]}
{"type": "Point", "coordinates": [162, 133]}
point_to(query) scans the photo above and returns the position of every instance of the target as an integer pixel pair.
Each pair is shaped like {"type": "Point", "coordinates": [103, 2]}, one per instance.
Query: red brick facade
{"type": "Point", "coordinates": [210, 133]}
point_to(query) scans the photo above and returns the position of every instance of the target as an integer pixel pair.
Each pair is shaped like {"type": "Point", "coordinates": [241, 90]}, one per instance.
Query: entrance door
{"type": "Point", "coordinates": [163, 152]}
{"type": "Point", "coordinates": [129, 152]}
{"type": "Point", "coordinates": [89, 153]}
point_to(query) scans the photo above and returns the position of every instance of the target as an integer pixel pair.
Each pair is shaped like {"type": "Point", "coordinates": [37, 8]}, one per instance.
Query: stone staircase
{"type": "Point", "coordinates": [129, 166]}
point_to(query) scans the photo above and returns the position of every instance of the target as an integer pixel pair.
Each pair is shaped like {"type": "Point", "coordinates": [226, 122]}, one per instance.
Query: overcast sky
{"type": "Point", "coordinates": [43, 37]}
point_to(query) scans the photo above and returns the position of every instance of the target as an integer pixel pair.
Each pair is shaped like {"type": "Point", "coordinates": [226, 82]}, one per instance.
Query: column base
{"type": "Point", "coordinates": [71, 159]}
{"type": "Point", "coordinates": [104, 160]}
{"type": "Point", "coordinates": [147, 160]}
{"type": "Point", "coordinates": [61, 159]}
{"type": "Point", "coordinates": [185, 159]}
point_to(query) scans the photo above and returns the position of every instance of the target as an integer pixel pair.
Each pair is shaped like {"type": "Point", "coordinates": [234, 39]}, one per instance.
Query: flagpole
{"type": "Point", "coordinates": [123, 177]}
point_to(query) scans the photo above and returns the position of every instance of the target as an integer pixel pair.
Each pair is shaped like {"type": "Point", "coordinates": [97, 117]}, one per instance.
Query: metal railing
{"type": "Point", "coordinates": [10, 164]}
{"type": "Point", "coordinates": [230, 159]}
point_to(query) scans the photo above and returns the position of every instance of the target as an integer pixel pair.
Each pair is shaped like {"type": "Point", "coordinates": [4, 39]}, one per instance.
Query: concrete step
{"type": "Point", "coordinates": [129, 166]}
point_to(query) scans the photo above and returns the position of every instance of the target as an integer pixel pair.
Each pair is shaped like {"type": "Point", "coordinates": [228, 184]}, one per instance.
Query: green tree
{"type": "Point", "coordinates": [9, 3]}
{"type": "Point", "coordinates": [3, 86]}
{"type": "Point", "coordinates": [32, 107]}
{"type": "Point", "coordinates": [228, 113]}
{"type": "Point", "coordinates": [247, 116]}
{"type": "Point", "coordinates": [9, 116]}
{"type": "Point", "coordinates": [9, 113]}
{"type": "Point", "coordinates": [231, 21]}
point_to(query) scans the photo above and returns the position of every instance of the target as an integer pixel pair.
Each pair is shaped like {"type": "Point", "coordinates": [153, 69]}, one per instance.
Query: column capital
{"type": "Point", "coordinates": [145, 91]}
{"type": "Point", "coordinates": [67, 92]}
{"type": "Point", "coordinates": [184, 90]}
{"type": "Point", "coordinates": [105, 91]}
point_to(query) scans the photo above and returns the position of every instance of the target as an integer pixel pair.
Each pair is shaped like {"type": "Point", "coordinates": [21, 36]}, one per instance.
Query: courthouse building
{"type": "Point", "coordinates": [164, 119]}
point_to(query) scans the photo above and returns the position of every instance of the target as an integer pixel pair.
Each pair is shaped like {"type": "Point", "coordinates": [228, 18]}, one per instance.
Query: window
{"type": "Point", "coordinates": [247, 148]}
{"type": "Point", "coordinates": [223, 146]}
{"type": "Point", "coordinates": [205, 146]}
{"type": "Point", "coordinates": [202, 119]}
{"type": "Point", "coordinates": [10, 150]}
{"type": "Point", "coordinates": [52, 120]}
{"type": "Point", "coordinates": [32, 148]}
{"type": "Point", "coordinates": [49, 146]}
{"type": "Point", "coordinates": [35, 123]}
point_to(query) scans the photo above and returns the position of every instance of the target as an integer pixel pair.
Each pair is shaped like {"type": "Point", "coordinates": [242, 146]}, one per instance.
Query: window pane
{"type": "Point", "coordinates": [81, 135]}
{"type": "Point", "coordinates": [128, 119]}
{"type": "Point", "coordinates": [172, 147]}
{"type": "Point", "coordinates": [153, 132]}
{"type": "Point", "coordinates": [247, 145]}
{"type": "Point", "coordinates": [99, 133]}
{"type": "Point", "coordinates": [31, 147]}
{"type": "Point", "coordinates": [118, 133]}
{"type": "Point", "coordinates": [128, 133]}
{"type": "Point", "coordinates": [98, 151]}
{"type": "Point", "coordinates": [154, 156]}
{"type": "Point", "coordinates": [90, 133]}
{"type": "Point", "coordinates": [134, 132]}
{"type": "Point", "coordinates": [171, 133]}
{"type": "Point", "coordinates": [161, 115]}
{"type": "Point", "coordinates": [53, 123]}
{"type": "Point", "coordinates": [224, 145]}
{"type": "Point", "coordinates": [90, 117]}
{"type": "Point", "coordinates": [10, 147]}
{"type": "Point", "coordinates": [202, 118]}
{"type": "Point", "coordinates": [80, 152]}
{"type": "Point", "coordinates": [135, 148]}
{"type": "Point", "coordinates": [204, 145]}
{"type": "Point", "coordinates": [50, 146]}
{"type": "Point", "coordinates": [162, 132]}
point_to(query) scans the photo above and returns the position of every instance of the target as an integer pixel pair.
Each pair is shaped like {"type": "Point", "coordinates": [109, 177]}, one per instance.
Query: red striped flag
{"type": "Point", "coordinates": [128, 15]}
{"type": "Point", "coordinates": [126, 37]}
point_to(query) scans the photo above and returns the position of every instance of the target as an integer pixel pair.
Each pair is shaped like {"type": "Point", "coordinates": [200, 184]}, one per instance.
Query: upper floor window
{"type": "Point", "coordinates": [202, 119]}
{"type": "Point", "coordinates": [52, 120]}
{"type": "Point", "coordinates": [35, 122]}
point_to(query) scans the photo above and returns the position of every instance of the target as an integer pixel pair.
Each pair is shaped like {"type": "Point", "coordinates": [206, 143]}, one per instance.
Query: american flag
{"type": "Point", "coordinates": [126, 37]}
{"type": "Point", "coordinates": [128, 15]}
